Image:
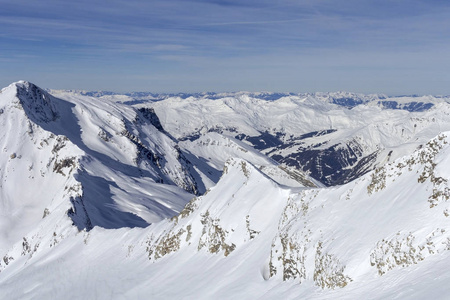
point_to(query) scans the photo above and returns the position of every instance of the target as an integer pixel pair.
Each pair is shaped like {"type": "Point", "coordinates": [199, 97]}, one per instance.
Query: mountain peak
{"type": "Point", "coordinates": [37, 103]}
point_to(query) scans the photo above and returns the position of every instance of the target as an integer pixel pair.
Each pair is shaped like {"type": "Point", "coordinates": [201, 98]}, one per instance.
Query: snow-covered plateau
{"type": "Point", "coordinates": [223, 196]}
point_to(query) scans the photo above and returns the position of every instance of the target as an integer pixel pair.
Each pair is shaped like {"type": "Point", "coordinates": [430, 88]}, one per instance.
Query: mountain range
{"type": "Point", "coordinates": [223, 195]}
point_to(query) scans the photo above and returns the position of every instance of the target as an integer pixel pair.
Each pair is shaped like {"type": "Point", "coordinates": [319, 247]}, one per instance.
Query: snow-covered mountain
{"type": "Point", "coordinates": [83, 177]}
{"type": "Point", "coordinates": [412, 103]}
{"type": "Point", "coordinates": [100, 164]}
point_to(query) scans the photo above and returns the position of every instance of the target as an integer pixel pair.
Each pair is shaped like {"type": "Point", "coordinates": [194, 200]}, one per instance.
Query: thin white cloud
{"type": "Point", "coordinates": [253, 22]}
{"type": "Point", "coordinates": [228, 43]}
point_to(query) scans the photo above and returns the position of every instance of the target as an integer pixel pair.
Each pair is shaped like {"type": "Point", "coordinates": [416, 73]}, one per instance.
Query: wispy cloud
{"type": "Point", "coordinates": [253, 22]}
{"type": "Point", "coordinates": [201, 37]}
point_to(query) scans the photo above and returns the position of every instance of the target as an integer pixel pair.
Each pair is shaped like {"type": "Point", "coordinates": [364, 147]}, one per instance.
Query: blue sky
{"type": "Point", "coordinates": [378, 46]}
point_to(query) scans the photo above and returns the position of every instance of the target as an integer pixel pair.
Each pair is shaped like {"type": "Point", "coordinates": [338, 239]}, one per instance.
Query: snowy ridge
{"type": "Point", "coordinates": [53, 163]}
{"type": "Point", "coordinates": [223, 226]}
{"type": "Point", "coordinates": [330, 237]}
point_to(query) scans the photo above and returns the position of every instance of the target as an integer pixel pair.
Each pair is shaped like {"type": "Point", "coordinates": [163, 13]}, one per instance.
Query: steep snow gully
{"type": "Point", "coordinates": [219, 196]}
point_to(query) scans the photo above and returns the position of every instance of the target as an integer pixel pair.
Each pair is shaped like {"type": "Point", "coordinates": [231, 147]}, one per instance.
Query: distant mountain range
{"type": "Point", "coordinates": [350, 100]}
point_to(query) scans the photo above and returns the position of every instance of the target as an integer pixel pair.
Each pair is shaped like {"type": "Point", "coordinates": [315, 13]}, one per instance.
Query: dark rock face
{"type": "Point", "coordinates": [347, 102]}
{"type": "Point", "coordinates": [149, 115]}
{"type": "Point", "coordinates": [337, 164]}
{"type": "Point", "coordinates": [410, 106]}
{"type": "Point", "coordinates": [263, 141]}
{"type": "Point", "coordinates": [36, 103]}
{"type": "Point", "coordinates": [157, 159]}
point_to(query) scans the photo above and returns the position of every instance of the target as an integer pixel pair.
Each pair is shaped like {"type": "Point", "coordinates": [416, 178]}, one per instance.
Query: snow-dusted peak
{"type": "Point", "coordinates": [37, 103]}
{"type": "Point", "coordinates": [94, 161]}
{"type": "Point", "coordinates": [239, 167]}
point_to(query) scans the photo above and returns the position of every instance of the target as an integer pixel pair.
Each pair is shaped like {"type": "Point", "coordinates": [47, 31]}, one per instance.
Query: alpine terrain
{"type": "Point", "coordinates": [223, 195]}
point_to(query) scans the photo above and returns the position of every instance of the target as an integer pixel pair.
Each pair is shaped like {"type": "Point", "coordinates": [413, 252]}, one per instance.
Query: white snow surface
{"type": "Point", "coordinates": [384, 235]}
